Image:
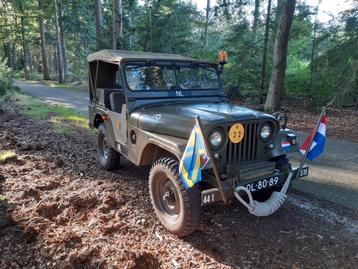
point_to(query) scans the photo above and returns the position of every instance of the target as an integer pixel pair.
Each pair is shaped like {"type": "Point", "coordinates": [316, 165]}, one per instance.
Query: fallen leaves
{"type": "Point", "coordinates": [64, 211]}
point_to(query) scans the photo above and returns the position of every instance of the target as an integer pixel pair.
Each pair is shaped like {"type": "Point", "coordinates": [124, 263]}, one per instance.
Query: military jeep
{"type": "Point", "coordinates": [144, 106]}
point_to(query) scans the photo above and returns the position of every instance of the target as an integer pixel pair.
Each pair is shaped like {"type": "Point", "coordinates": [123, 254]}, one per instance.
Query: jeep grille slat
{"type": "Point", "coordinates": [246, 150]}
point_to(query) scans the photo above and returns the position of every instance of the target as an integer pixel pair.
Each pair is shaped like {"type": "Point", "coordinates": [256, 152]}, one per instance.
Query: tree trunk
{"type": "Point", "coordinates": [7, 44]}
{"type": "Point", "coordinates": [314, 43]}
{"type": "Point", "coordinates": [30, 60]}
{"type": "Point", "coordinates": [24, 46]}
{"type": "Point", "coordinates": [205, 39]}
{"type": "Point", "coordinates": [130, 22]}
{"type": "Point", "coordinates": [264, 54]}
{"type": "Point", "coordinates": [273, 100]}
{"type": "Point", "coordinates": [256, 18]}
{"type": "Point", "coordinates": [49, 60]}
{"type": "Point", "coordinates": [117, 25]}
{"type": "Point", "coordinates": [7, 50]}
{"type": "Point", "coordinates": [45, 72]}
{"type": "Point", "coordinates": [64, 49]}
{"type": "Point", "coordinates": [99, 24]}
{"type": "Point", "coordinates": [59, 50]}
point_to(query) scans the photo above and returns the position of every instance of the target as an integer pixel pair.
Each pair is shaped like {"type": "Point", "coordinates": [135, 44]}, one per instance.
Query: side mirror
{"type": "Point", "coordinates": [233, 91]}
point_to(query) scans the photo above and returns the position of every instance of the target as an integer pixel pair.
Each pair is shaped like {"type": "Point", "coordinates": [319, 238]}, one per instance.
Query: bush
{"type": "Point", "coordinates": [5, 79]}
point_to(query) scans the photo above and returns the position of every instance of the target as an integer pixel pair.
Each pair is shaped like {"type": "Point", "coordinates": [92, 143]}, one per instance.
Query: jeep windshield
{"type": "Point", "coordinates": [171, 76]}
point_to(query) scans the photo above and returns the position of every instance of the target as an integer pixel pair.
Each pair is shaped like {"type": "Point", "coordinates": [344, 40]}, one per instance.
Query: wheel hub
{"type": "Point", "coordinates": [169, 198]}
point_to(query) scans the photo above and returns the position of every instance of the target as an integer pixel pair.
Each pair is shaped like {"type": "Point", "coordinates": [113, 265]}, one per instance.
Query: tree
{"type": "Point", "coordinates": [264, 53]}
{"type": "Point", "coordinates": [256, 18]}
{"type": "Point", "coordinates": [205, 39]}
{"type": "Point", "coordinates": [25, 52]}
{"type": "Point", "coordinates": [63, 43]}
{"type": "Point", "coordinates": [45, 71]}
{"type": "Point", "coordinates": [314, 42]}
{"type": "Point", "coordinates": [117, 24]}
{"type": "Point", "coordinates": [273, 100]}
{"type": "Point", "coordinates": [7, 43]}
{"type": "Point", "coordinates": [99, 24]}
{"type": "Point", "coordinates": [61, 77]}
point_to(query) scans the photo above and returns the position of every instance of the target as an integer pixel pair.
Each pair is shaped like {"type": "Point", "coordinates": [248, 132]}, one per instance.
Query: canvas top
{"type": "Point", "coordinates": [117, 56]}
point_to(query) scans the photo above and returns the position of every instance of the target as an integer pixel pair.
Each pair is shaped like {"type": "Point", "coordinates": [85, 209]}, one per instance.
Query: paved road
{"type": "Point", "coordinates": [71, 98]}
{"type": "Point", "coordinates": [333, 176]}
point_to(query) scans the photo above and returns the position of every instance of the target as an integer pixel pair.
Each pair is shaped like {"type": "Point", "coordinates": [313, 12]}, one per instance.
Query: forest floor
{"type": "Point", "coordinates": [59, 209]}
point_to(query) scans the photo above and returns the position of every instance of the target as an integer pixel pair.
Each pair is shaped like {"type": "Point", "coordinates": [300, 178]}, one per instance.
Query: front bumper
{"type": "Point", "coordinates": [274, 181]}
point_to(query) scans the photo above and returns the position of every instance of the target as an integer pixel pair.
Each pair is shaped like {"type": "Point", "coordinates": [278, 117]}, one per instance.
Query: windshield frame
{"type": "Point", "coordinates": [168, 62]}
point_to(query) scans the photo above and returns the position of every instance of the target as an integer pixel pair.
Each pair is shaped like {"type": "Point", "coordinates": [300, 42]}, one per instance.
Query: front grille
{"type": "Point", "coordinates": [246, 150]}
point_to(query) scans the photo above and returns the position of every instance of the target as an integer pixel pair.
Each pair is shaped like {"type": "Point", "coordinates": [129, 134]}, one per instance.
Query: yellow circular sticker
{"type": "Point", "coordinates": [236, 133]}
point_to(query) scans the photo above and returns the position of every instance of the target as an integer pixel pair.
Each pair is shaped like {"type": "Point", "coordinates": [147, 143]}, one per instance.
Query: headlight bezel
{"type": "Point", "coordinates": [267, 139]}
{"type": "Point", "coordinates": [220, 131]}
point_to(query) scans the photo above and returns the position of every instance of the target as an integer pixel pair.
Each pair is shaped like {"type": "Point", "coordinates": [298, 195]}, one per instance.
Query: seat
{"type": "Point", "coordinates": [117, 100]}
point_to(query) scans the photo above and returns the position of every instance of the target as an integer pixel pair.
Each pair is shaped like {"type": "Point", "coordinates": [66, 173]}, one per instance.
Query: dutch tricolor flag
{"type": "Point", "coordinates": [318, 141]}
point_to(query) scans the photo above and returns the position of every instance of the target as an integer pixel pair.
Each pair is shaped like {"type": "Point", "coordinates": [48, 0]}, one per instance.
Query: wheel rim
{"type": "Point", "coordinates": [104, 147]}
{"type": "Point", "coordinates": [168, 198]}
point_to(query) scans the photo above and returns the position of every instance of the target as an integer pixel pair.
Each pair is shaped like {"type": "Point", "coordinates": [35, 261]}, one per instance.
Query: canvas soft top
{"type": "Point", "coordinates": [118, 56]}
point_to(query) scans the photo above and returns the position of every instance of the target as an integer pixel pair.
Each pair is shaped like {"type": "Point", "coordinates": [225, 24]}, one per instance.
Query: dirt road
{"type": "Point", "coordinates": [64, 211]}
{"type": "Point", "coordinates": [333, 176]}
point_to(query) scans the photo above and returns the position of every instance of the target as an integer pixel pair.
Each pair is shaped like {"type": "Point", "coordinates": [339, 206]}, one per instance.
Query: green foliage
{"type": "Point", "coordinates": [62, 119]}
{"type": "Point", "coordinates": [176, 26]}
{"type": "Point", "coordinates": [5, 78]}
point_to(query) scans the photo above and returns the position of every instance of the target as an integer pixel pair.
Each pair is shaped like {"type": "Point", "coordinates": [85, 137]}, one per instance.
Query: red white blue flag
{"type": "Point", "coordinates": [318, 141]}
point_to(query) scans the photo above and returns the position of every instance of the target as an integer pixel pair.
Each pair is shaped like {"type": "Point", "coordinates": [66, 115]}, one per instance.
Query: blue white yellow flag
{"type": "Point", "coordinates": [194, 159]}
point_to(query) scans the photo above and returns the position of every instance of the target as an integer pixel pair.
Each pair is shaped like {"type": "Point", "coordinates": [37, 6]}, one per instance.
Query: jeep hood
{"type": "Point", "coordinates": [178, 119]}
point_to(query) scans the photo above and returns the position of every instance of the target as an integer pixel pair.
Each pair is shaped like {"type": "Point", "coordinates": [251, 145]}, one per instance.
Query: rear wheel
{"type": "Point", "coordinates": [177, 208]}
{"type": "Point", "coordinates": [107, 156]}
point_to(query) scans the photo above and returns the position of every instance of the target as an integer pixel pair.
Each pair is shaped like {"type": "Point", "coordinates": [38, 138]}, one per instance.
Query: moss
{"type": "Point", "coordinates": [7, 155]}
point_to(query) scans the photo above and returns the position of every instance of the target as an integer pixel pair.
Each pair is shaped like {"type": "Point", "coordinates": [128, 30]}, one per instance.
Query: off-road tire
{"type": "Point", "coordinates": [186, 221]}
{"type": "Point", "coordinates": [110, 159]}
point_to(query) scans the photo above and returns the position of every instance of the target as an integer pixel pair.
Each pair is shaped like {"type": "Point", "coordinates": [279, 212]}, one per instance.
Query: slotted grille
{"type": "Point", "coordinates": [246, 150]}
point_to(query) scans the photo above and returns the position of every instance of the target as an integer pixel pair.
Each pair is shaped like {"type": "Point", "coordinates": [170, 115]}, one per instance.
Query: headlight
{"type": "Point", "coordinates": [216, 138]}
{"type": "Point", "coordinates": [265, 131]}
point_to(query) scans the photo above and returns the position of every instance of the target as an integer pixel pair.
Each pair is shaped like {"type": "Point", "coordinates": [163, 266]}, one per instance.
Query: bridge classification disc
{"type": "Point", "coordinates": [236, 133]}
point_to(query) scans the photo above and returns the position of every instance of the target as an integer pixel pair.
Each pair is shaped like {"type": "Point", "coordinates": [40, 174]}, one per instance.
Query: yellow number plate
{"type": "Point", "coordinates": [236, 133]}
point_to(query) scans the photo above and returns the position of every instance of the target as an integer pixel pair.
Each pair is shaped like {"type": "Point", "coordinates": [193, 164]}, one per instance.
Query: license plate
{"type": "Point", "coordinates": [303, 172]}
{"type": "Point", "coordinates": [263, 184]}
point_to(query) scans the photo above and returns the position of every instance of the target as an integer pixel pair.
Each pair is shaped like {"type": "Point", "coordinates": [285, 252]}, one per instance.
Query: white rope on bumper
{"type": "Point", "coordinates": [270, 206]}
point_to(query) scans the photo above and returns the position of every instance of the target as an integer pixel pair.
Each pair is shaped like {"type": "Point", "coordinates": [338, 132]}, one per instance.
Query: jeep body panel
{"type": "Point", "coordinates": [178, 118]}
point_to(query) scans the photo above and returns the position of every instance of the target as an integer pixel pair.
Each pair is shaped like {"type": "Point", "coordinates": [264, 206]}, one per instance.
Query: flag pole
{"type": "Point", "coordinates": [213, 164]}
{"type": "Point", "coordinates": [314, 133]}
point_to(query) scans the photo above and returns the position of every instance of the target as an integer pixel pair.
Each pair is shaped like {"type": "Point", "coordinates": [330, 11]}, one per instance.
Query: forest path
{"type": "Point", "coordinates": [333, 176]}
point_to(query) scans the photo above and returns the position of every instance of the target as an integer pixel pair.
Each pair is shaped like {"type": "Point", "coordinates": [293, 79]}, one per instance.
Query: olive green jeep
{"type": "Point", "coordinates": [144, 107]}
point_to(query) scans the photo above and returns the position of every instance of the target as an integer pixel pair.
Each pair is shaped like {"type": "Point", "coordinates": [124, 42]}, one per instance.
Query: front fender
{"type": "Point", "coordinates": [173, 145]}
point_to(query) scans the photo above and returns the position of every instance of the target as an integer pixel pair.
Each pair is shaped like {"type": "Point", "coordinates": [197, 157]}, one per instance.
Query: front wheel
{"type": "Point", "coordinates": [107, 156]}
{"type": "Point", "coordinates": [177, 208]}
